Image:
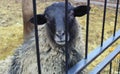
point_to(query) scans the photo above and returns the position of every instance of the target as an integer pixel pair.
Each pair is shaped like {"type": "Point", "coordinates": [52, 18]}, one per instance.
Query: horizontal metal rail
{"type": "Point", "coordinates": [106, 61]}
{"type": "Point", "coordinates": [94, 54]}
{"type": "Point", "coordinates": [98, 3]}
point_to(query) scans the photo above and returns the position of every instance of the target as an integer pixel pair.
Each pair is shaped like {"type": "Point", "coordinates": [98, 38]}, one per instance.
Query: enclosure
{"type": "Point", "coordinates": [101, 33]}
{"type": "Point", "coordinates": [105, 44]}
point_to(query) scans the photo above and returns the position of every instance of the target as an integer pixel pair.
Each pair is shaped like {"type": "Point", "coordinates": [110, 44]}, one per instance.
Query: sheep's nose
{"type": "Point", "coordinates": [60, 33]}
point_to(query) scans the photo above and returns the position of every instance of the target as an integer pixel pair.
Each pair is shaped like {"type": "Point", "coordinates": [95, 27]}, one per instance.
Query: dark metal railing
{"type": "Point", "coordinates": [106, 61]}
{"type": "Point", "coordinates": [110, 71]}
{"type": "Point", "coordinates": [36, 37]}
{"type": "Point", "coordinates": [66, 29]}
{"type": "Point", "coordinates": [103, 26]}
{"type": "Point", "coordinates": [94, 54]}
{"type": "Point", "coordinates": [119, 67]}
{"type": "Point", "coordinates": [104, 45]}
{"type": "Point", "coordinates": [81, 65]}
{"type": "Point", "coordinates": [116, 17]}
{"type": "Point", "coordinates": [87, 29]}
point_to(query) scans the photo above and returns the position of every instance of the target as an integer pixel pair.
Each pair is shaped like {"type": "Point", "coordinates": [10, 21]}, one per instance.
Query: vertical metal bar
{"type": "Point", "coordinates": [104, 16]}
{"type": "Point", "coordinates": [87, 29]}
{"type": "Point", "coordinates": [114, 68]}
{"type": "Point", "coordinates": [36, 37]}
{"type": "Point", "coordinates": [116, 16]}
{"type": "Point", "coordinates": [66, 29]}
{"type": "Point", "coordinates": [119, 67]}
{"type": "Point", "coordinates": [110, 71]}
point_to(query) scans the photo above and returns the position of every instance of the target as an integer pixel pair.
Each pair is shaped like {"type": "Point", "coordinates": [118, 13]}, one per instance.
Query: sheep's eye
{"type": "Point", "coordinates": [46, 16]}
{"type": "Point", "coordinates": [71, 13]}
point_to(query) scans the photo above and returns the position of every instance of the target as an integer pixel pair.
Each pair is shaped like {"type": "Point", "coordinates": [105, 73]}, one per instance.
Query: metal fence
{"type": "Point", "coordinates": [107, 63]}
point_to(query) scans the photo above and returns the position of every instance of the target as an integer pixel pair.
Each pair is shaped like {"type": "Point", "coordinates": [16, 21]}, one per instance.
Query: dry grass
{"type": "Point", "coordinates": [10, 39]}
{"type": "Point", "coordinates": [11, 29]}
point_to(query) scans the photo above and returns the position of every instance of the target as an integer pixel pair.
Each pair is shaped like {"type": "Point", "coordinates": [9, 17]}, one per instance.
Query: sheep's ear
{"type": "Point", "coordinates": [81, 10]}
{"type": "Point", "coordinates": [40, 19]}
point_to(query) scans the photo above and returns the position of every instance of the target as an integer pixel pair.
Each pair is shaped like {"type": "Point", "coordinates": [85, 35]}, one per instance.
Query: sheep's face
{"type": "Point", "coordinates": [54, 17]}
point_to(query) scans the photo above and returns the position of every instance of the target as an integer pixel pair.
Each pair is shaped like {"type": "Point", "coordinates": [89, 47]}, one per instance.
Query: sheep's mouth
{"type": "Point", "coordinates": [60, 42]}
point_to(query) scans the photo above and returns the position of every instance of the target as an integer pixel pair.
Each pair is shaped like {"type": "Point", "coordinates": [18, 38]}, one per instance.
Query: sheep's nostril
{"type": "Point", "coordinates": [59, 36]}
{"type": "Point", "coordinates": [63, 34]}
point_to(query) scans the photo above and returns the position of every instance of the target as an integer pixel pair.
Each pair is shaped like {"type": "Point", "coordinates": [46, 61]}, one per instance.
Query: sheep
{"type": "Point", "coordinates": [52, 42]}
{"type": "Point", "coordinates": [5, 64]}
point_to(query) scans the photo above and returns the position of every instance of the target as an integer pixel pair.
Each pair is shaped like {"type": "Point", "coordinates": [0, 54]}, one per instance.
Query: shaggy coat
{"type": "Point", "coordinates": [52, 55]}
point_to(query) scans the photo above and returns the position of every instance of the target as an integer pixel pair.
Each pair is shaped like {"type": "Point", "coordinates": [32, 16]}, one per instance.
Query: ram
{"type": "Point", "coordinates": [52, 42]}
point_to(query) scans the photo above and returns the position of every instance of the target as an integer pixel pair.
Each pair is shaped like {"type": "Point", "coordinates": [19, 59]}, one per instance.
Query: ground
{"type": "Point", "coordinates": [11, 26]}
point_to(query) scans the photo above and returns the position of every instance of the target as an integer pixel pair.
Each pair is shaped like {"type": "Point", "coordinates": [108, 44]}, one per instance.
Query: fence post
{"type": "Point", "coordinates": [66, 35]}
{"type": "Point", "coordinates": [36, 37]}
{"type": "Point", "coordinates": [27, 10]}
{"type": "Point", "coordinates": [87, 29]}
